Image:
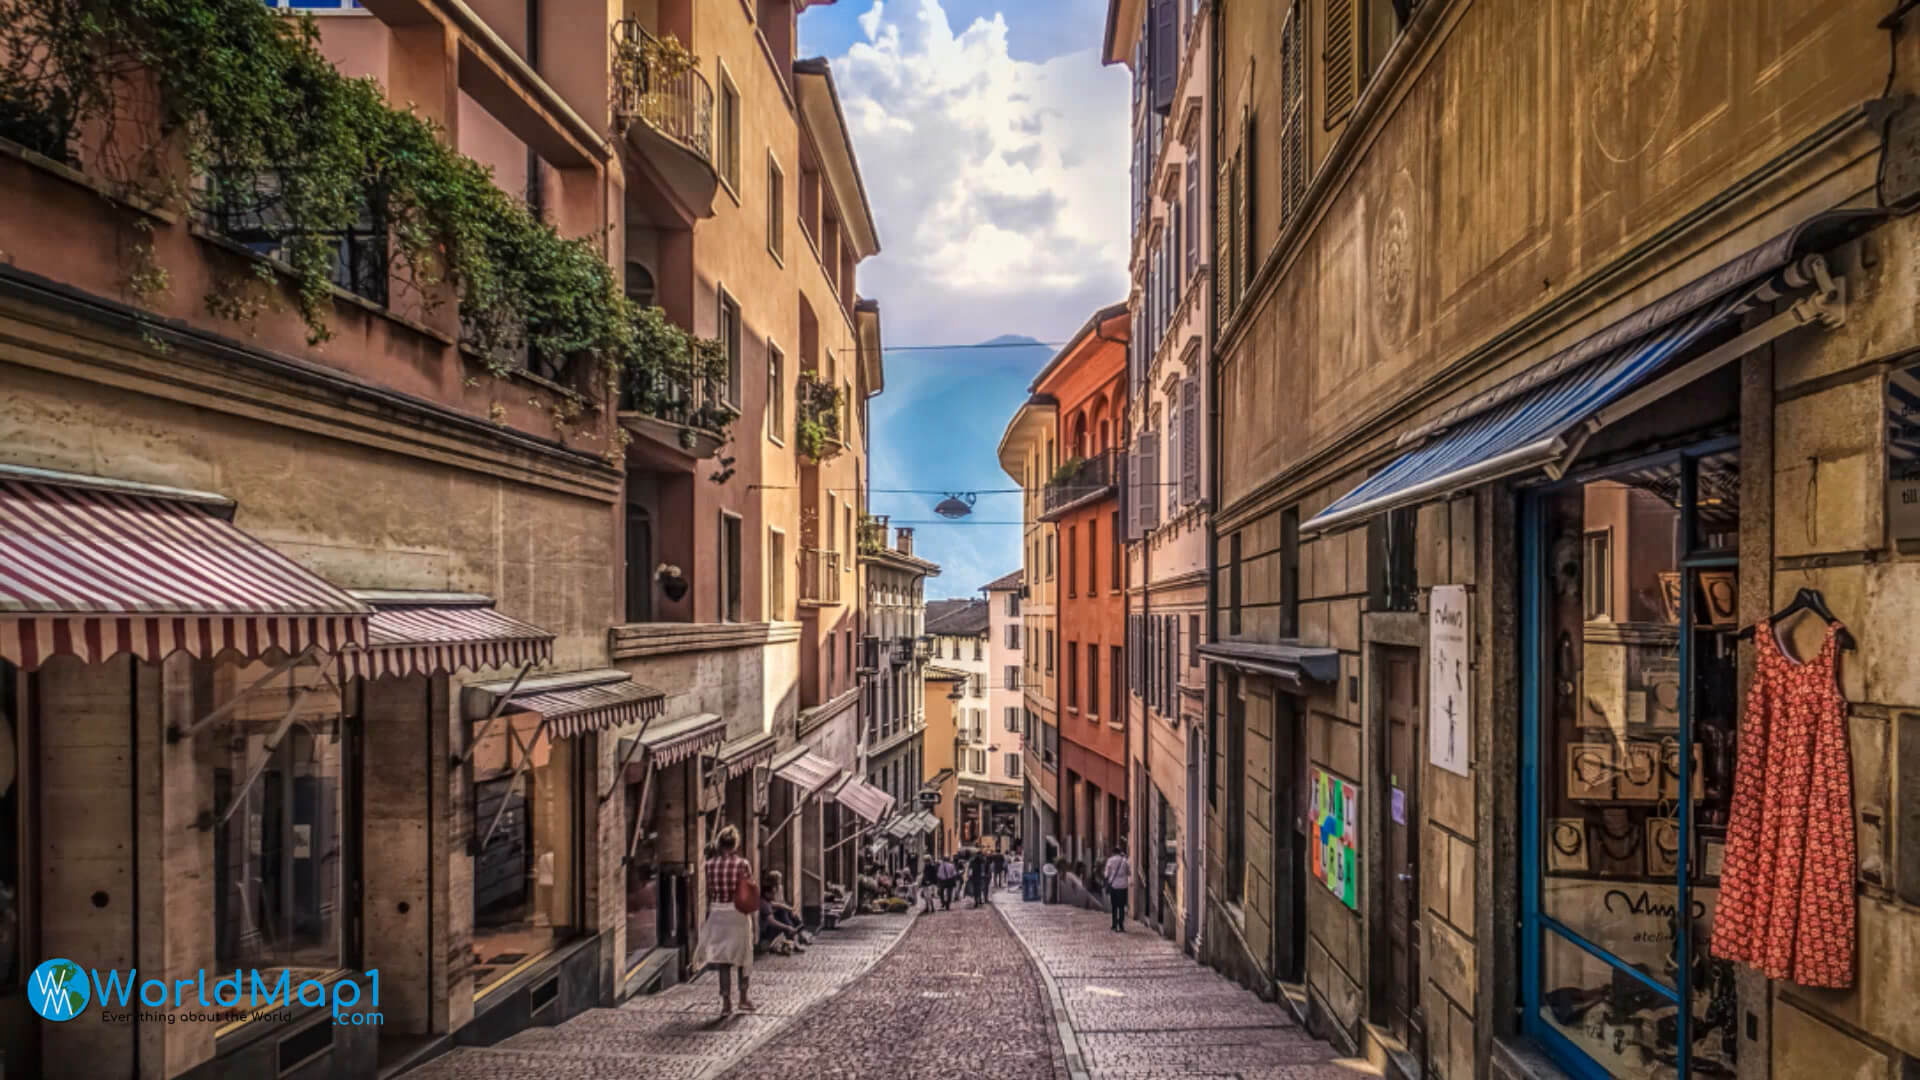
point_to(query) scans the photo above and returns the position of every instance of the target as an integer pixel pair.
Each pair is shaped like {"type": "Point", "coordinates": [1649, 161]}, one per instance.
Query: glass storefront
{"type": "Point", "coordinates": [526, 791]}
{"type": "Point", "coordinates": [1629, 601]}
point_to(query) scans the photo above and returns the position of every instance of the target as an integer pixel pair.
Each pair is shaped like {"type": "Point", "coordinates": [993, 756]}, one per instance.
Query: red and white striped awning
{"type": "Point", "coordinates": [864, 799]}
{"type": "Point", "coordinates": [425, 639]}
{"type": "Point", "coordinates": [677, 740]}
{"type": "Point", "coordinates": [742, 754]}
{"type": "Point", "coordinates": [805, 769]}
{"type": "Point", "coordinates": [94, 568]}
{"type": "Point", "coordinates": [591, 708]}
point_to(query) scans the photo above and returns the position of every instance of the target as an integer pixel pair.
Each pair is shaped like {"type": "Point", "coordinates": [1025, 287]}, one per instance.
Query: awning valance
{"type": "Point", "coordinates": [805, 769]}
{"type": "Point", "coordinates": [677, 740]}
{"type": "Point", "coordinates": [94, 568]}
{"type": "Point", "coordinates": [742, 754]}
{"type": "Point", "coordinates": [863, 798]}
{"type": "Point", "coordinates": [592, 708]}
{"type": "Point", "coordinates": [1542, 419]}
{"type": "Point", "coordinates": [1289, 662]}
{"type": "Point", "coordinates": [409, 636]}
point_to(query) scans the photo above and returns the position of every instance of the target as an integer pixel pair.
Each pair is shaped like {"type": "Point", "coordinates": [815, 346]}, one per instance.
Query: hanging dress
{"type": "Point", "coordinates": [1787, 885]}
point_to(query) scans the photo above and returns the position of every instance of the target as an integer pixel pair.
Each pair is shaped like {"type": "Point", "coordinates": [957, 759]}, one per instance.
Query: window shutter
{"type": "Point", "coordinates": [1150, 483]}
{"type": "Point", "coordinates": [1222, 243]}
{"type": "Point", "coordinates": [1173, 666]}
{"type": "Point", "coordinates": [1293, 123]}
{"type": "Point", "coordinates": [1193, 214]}
{"type": "Point", "coordinates": [1162, 54]}
{"type": "Point", "coordinates": [1130, 507]}
{"type": "Point", "coordinates": [1190, 440]}
{"type": "Point", "coordinates": [1244, 237]}
{"type": "Point", "coordinates": [1171, 489]}
{"type": "Point", "coordinates": [1338, 62]}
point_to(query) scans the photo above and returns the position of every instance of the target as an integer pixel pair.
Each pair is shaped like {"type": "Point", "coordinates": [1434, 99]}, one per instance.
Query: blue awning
{"type": "Point", "coordinates": [1542, 428]}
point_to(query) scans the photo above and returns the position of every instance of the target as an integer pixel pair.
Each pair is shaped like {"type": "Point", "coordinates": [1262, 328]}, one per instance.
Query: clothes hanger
{"type": "Point", "coordinates": [1806, 600]}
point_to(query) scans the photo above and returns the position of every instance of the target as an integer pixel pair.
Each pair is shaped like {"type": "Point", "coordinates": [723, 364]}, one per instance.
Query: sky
{"type": "Point", "coordinates": [993, 145]}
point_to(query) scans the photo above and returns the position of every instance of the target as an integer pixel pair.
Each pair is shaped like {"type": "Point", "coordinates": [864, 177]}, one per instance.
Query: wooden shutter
{"type": "Point", "coordinates": [1293, 123]}
{"type": "Point", "coordinates": [1163, 52]}
{"type": "Point", "coordinates": [1246, 210]}
{"type": "Point", "coordinates": [1190, 440]}
{"type": "Point", "coordinates": [1193, 214]}
{"type": "Point", "coordinates": [1150, 483]}
{"type": "Point", "coordinates": [1222, 243]}
{"type": "Point", "coordinates": [1340, 61]}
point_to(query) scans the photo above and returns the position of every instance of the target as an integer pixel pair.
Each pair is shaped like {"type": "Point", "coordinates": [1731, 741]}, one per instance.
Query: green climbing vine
{"type": "Point", "coordinates": [272, 135]}
{"type": "Point", "coordinates": [817, 419]}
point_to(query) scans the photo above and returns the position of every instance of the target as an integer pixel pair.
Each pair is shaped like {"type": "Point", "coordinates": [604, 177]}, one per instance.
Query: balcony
{"type": "Point", "coordinates": [818, 409]}
{"type": "Point", "coordinates": [1078, 482]}
{"type": "Point", "coordinates": [664, 108]}
{"type": "Point", "coordinates": [819, 576]}
{"type": "Point", "coordinates": [688, 417]}
{"type": "Point", "coordinates": [873, 534]}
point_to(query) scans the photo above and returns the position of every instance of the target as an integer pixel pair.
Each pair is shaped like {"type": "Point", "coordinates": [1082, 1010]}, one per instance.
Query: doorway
{"type": "Point", "coordinates": [1397, 777]}
{"type": "Point", "coordinates": [639, 564]}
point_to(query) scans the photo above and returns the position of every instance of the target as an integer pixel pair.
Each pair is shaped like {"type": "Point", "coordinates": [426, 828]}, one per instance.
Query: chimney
{"type": "Point", "coordinates": [903, 542]}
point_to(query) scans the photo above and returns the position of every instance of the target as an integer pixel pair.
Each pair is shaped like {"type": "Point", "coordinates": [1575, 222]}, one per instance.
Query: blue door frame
{"type": "Point", "coordinates": [1535, 923]}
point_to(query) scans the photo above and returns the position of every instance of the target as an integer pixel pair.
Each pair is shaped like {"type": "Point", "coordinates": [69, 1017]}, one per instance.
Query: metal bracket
{"type": "Point", "coordinates": [272, 746]}
{"type": "Point", "coordinates": [176, 733]}
{"type": "Point", "coordinates": [499, 706]}
{"type": "Point", "coordinates": [621, 769]}
{"type": "Point", "coordinates": [526, 762]}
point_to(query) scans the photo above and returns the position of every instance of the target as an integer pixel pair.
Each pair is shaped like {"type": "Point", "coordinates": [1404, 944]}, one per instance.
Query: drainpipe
{"type": "Point", "coordinates": [1212, 459]}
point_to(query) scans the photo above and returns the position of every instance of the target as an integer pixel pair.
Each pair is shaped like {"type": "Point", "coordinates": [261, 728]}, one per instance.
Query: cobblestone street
{"type": "Point", "coordinates": [1135, 1006]}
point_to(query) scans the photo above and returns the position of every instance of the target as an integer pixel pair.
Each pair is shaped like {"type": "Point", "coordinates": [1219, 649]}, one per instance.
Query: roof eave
{"type": "Point", "coordinates": [817, 74]}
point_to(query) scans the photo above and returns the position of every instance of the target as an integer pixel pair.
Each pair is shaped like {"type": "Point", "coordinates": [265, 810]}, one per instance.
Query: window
{"type": "Point", "coordinates": [1236, 793]}
{"type": "Point", "coordinates": [729, 567]}
{"type": "Point", "coordinates": [1116, 575]}
{"type": "Point", "coordinates": [1073, 560]}
{"type": "Point", "coordinates": [777, 581]}
{"type": "Point", "coordinates": [726, 142]}
{"type": "Point", "coordinates": [1012, 717]}
{"type": "Point", "coordinates": [1049, 652]}
{"type": "Point", "coordinates": [1013, 609]}
{"type": "Point", "coordinates": [1093, 556]}
{"type": "Point", "coordinates": [1596, 565]}
{"type": "Point", "coordinates": [980, 762]}
{"type": "Point", "coordinates": [1093, 681]}
{"type": "Point", "coordinates": [1193, 214]}
{"type": "Point", "coordinates": [1012, 673]}
{"type": "Point", "coordinates": [979, 649]}
{"type": "Point", "coordinates": [1013, 766]}
{"type": "Point", "coordinates": [1013, 636]}
{"type": "Point", "coordinates": [776, 393]}
{"type": "Point", "coordinates": [1050, 549]}
{"type": "Point", "coordinates": [729, 335]}
{"type": "Point", "coordinates": [279, 898]}
{"type": "Point", "coordinates": [1073, 675]}
{"type": "Point", "coordinates": [1173, 454]}
{"type": "Point", "coordinates": [776, 210]}
{"type": "Point", "coordinates": [1116, 674]}
{"type": "Point", "coordinates": [977, 685]}
{"type": "Point", "coordinates": [1193, 641]}
{"type": "Point", "coordinates": [1392, 584]}
{"type": "Point", "coordinates": [1233, 584]}
{"type": "Point", "coordinates": [1289, 573]}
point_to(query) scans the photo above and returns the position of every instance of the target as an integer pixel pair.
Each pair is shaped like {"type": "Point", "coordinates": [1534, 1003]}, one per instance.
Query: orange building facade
{"type": "Point", "coordinates": [1081, 500]}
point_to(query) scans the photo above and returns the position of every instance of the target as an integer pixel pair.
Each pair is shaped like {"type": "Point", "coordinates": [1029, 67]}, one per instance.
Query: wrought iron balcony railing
{"type": "Point", "coordinates": [1077, 480]}
{"type": "Point", "coordinates": [819, 576]}
{"type": "Point", "coordinates": [656, 83]}
{"type": "Point", "coordinates": [695, 403]}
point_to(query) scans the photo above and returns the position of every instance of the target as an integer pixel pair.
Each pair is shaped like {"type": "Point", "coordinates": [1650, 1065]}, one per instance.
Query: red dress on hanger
{"type": "Point", "coordinates": [1787, 883]}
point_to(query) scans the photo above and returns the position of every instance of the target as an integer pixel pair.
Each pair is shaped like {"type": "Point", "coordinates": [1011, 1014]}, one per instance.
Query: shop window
{"type": "Point", "coordinates": [657, 885]}
{"type": "Point", "coordinates": [1632, 592]}
{"type": "Point", "coordinates": [279, 893]}
{"type": "Point", "coordinates": [1392, 580]}
{"type": "Point", "coordinates": [526, 843]}
{"type": "Point", "coordinates": [1234, 812]}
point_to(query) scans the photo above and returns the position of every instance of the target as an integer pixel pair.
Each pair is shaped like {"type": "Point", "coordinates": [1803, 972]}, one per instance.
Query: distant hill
{"type": "Point", "coordinates": [1014, 339]}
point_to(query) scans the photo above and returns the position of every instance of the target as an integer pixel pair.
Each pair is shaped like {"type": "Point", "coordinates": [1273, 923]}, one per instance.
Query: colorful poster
{"type": "Point", "coordinates": [1335, 842]}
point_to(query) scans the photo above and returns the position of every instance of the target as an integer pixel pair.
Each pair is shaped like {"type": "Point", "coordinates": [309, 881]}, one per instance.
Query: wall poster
{"type": "Point", "coordinates": [1449, 682]}
{"type": "Point", "coordinates": [1336, 836]}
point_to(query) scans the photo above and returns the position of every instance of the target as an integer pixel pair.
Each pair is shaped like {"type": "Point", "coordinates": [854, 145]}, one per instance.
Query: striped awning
{"type": "Point", "coordinates": [805, 769]}
{"type": "Point", "coordinates": [863, 798]}
{"type": "Point", "coordinates": [94, 568]}
{"type": "Point", "coordinates": [592, 708]}
{"type": "Point", "coordinates": [410, 638]}
{"type": "Point", "coordinates": [908, 826]}
{"type": "Point", "coordinates": [1541, 428]}
{"type": "Point", "coordinates": [677, 740]}
{"type": "Point", "coordinates": [742, 754]}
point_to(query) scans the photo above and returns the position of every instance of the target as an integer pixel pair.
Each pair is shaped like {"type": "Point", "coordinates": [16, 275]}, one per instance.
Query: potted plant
{"type": "Point", "coordinates": [672, 582]}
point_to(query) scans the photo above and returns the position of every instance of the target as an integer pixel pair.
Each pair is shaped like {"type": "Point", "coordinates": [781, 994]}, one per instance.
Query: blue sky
{"type": "Point", "coordinates": [993, 145]}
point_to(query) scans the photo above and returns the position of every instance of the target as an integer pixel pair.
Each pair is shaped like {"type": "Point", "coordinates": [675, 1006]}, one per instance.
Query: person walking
{"type": "Point", "coordinates": [949, 877]}
{"type": "Point", "coordinates": [998, 862]}
{"type": "Point", "coordinates": [727, 937]}
{"type": "Point", "coordinates": [1119, 875]}
{"type": "Point", "coordinates": [978, 876]}
{"type": "Point", "coordinates": [929, 883]}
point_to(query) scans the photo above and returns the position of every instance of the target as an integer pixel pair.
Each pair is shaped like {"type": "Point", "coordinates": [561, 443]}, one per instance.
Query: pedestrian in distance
{"type": "Point", "coordinates": [998, 862]}
{"type": "Point", "coordinates": [929, 883]}
{"type": "Point", "coordinates": [949, 879]}
{"type": "Point", "coordinates": [727, 937]}
{"type": "Point", "coordinates": [1119, 875]}
{"type": "Point", "coordinates": [978, 875]}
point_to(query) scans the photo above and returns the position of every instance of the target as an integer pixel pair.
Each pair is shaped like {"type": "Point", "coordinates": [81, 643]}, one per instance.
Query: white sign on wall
{"type": "Point", "coordinates": [1449, 680]}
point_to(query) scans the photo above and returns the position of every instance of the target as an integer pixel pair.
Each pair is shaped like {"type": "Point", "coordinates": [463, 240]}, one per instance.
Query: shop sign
{"type": "Point", "coordinates": [1449, 680]}
{"type": "Point", "coordinates": [1903, 454]}
{"type": "Point", "coordinates": [1336, 836]}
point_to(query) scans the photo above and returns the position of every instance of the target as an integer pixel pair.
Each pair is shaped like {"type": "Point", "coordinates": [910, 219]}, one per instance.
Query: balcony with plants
{"type": "Point", "coordinates": [673, 388]}
{"type": "Point", "coordinates": [1077, 482]}
{"type": "Point", "coordinates": [663, 107]}
{"type": "Point", "coordinates": [819, 409]}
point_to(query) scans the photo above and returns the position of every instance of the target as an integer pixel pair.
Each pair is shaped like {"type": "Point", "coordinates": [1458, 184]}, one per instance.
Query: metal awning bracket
{"type": "Point", "coordinates": [208, 822]}
{"type": "Point", "coordinates": [526, 763]}
{"type": "Point", "coordinates": [499, 706]}
{"type": "Point", "coordinates": [176, 733]}
{"type": "Point", "coordinates": [620, 770]}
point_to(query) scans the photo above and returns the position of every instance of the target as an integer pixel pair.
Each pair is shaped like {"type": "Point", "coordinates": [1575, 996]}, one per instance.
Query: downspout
{"type": "Point", "coordinates": [1211, 463]}
{"type": "Point", "coordinates": [1126, 714]}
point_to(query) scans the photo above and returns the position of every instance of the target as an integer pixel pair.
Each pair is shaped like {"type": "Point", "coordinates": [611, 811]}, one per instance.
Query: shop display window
{"type": "Point", "coordinates": [526, 788]}
{"type": "Point", "coordinates": [1630, 604]}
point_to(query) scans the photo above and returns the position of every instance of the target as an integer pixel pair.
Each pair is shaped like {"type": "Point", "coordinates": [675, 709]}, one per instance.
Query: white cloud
{"type": "Point", "coordinates": [999, 185]}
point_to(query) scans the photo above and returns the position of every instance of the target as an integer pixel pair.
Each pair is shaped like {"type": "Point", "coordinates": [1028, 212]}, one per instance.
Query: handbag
{"type": "Point", "coordinates": [746, 897]}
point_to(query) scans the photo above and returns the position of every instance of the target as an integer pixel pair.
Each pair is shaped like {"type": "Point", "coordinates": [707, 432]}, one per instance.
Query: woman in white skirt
{"type": "Point", "coordinates": [726, 938]}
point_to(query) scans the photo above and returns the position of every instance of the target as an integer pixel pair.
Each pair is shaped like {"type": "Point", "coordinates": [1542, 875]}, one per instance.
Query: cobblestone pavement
{"type": "Point", "coordinates": [1135, 1006]}
{"type": "Point", "coordinates": [675, 1034]}
{"type": "Point", "coordinates": [958, 999]}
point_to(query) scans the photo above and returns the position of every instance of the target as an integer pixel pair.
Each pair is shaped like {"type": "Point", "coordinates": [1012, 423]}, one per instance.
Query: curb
{"type": "Point", "coordinates": [1072, 1062]}
{"type": "Point", "coordinates": [746, 1049]}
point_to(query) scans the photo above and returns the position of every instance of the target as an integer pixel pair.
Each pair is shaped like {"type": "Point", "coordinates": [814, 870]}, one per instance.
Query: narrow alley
{"type": "Point", "coordinates": [1011, 991]}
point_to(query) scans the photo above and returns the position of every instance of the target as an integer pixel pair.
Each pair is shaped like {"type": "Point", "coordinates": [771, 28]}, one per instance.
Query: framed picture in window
{"type": "Point", "coordinates": [1590, 771]}
{"type": "Point", "coordinates": [1566, 845]}
{"type": "Point", "coordinates": [1663, 847]}
{"type": "Point", "coordinates": [1719, 598]}
{"type": "Point", "coordinates": [1637, 772]}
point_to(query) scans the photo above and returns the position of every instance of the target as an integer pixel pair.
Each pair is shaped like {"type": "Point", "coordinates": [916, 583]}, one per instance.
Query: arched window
{"type": "Point", "coordinates": [640, 284]}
